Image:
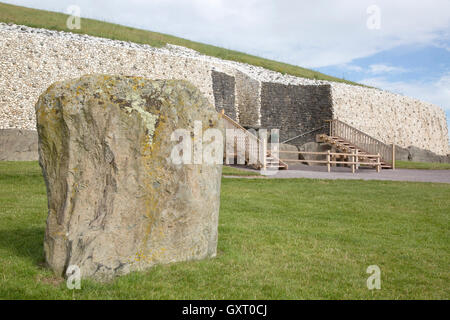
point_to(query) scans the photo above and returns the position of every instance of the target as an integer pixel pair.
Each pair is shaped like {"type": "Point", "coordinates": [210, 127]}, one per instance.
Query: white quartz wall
{"type": "Point", "coordinates": [392, 118]}
{"type": "Point", "coordinates": [30, 62]}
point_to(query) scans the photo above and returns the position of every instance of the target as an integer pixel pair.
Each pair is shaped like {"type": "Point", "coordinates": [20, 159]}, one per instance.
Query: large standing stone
{"type": "Point", "coordinates": [116, 202]}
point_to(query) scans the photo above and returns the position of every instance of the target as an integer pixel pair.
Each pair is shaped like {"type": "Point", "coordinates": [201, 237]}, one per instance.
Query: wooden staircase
{"type": "Point", "coordinates": [344, 146]}
{"type": "Point", "coordinates": [346, 139]}
{"type": "Point", "coordinates": [253, 147]}
{"type": "Point", "coordinates": [275, 163]}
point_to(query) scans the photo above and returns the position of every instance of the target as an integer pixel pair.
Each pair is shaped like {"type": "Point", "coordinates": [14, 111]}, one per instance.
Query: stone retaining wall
{"type": "Point", "coordinates": [248, 100]}
{"type": "Point", "coordinates": [295, 110]}
{"type": "Point", "coordinates": [18, 145]}
{"type": "Point", "coordinates": [223, 90]}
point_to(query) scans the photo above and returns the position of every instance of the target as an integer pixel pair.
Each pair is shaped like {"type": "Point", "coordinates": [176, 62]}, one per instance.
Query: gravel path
{"type": "Point", "coordinates": [319, 172]}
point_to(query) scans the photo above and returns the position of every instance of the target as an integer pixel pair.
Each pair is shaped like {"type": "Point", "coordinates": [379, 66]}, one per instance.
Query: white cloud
{"type": "Point", "coordinates": [351, 67]}
{"type": "Point", "coordinates": [373, 69]}
{"type": "Point", "coordinates": [383, 68]}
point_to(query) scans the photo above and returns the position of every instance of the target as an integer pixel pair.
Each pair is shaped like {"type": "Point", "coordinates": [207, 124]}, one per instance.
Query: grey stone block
{"type": "Point", "coordinates": [18, 145]}
{"type": "Point", "coordinates": [421, 155]}
{"type": "Point", "coordinates": [223, 90]}
{"type": "Point", "coordinates": [401, 154]}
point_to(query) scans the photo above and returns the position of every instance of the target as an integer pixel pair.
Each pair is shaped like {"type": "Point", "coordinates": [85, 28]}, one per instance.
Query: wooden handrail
{"type": "Point", "coordinates": [255, 139]}
{"type": "Point", "coordinates": [353, 162]}
{"type": "Point", "coordinates": [361, 140]}
{"type": "Point", "coordinates": [334, 162]}
{"type": "Point", "coordinates": [361, 155]}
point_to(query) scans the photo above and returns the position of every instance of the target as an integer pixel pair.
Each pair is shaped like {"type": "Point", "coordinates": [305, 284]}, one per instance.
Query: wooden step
{"type": "Point", "coordinates": [344, 146]}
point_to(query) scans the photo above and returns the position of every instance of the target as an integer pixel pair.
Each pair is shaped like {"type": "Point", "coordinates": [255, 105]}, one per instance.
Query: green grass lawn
{"type": "Point", "coordinates": [422, 165]}
{"type": "Point", "coordinates": [57, 21]}
{"type": "Point", "coordinates": [233, 171]}
{"type": "Point", "coordinates": [278, 239]}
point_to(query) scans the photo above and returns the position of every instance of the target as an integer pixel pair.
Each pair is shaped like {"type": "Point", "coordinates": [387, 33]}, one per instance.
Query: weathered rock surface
{"type": "Point", "coordinates": [116, 202]}
{"type": "Point", "coordinates": [18, 145]}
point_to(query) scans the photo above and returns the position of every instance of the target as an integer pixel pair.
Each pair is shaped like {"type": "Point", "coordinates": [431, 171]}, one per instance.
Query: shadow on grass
{"type": "Point", "coordinates": [25, 243]}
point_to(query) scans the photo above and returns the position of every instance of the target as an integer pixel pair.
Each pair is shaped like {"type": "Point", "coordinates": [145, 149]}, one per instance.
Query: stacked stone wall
{"type": "Point", "coordinates": [223, 90]}
{"type": "Point", "coordinates": [295, 110]}
{"type": "Point", "coordinates": [248, 100]}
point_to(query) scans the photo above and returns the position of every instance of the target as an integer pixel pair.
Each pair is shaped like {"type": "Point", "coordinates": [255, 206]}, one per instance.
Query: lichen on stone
{"type": "Point", "coordinates": [149, 119]}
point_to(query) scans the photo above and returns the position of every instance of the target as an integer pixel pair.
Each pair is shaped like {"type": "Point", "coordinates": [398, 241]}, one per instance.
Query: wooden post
{"type": "Point", "coordinates": [379, 163]}
{"type": "Point", "coordinates": [328, 161]}
{"type": "Point", "coordinates": [333, 157]}
{"type": "Point", "coordinates": [393, 156]}
{"type": "Point", "coordinates": [353, 160]}
{"type": "Point", "coordinates": [264, 153]}
{"type": "Point", "coordinates": [357, 160]}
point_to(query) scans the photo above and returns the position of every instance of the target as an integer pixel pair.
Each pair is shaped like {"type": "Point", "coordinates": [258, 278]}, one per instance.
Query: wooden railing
{"type": "Point", "coordinates": [353, 159]}
{"type": "Point", "coordinates": [254, 149]}
{"type": "Point", "coordinates": [245, 144]}
{"type": "Point", "coordinates": [361, 140]}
